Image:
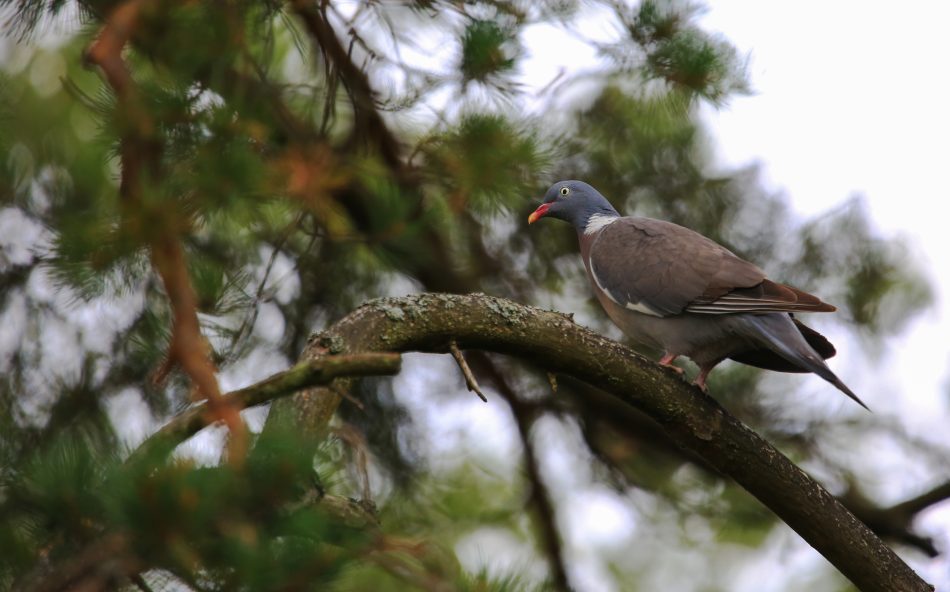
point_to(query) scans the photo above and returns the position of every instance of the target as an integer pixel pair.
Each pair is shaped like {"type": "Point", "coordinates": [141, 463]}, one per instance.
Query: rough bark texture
{"type": "Point", "coordinates": [428, 322]}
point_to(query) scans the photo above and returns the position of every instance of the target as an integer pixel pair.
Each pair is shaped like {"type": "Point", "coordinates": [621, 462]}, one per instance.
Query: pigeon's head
{"type": "Point", "coordinates": [574, 202]}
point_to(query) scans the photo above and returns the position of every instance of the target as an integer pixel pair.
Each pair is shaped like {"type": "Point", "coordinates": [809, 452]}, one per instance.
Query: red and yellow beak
{"type": "Point", "coordinates": [538, 213]}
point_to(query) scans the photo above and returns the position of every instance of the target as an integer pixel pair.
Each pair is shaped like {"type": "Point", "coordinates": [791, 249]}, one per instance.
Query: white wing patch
{"type": "Point", "coordinates": [642, 308]}
{"type": "Point", "coordinates": [597, 222]}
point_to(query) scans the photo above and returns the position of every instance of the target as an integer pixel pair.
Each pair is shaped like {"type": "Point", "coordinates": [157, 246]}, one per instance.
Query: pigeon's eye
{"type": "Point", "coordinates": [565, 190]}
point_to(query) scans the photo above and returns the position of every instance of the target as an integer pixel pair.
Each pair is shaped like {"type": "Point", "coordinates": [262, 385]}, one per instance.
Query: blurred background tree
{"type": "Point", "coordinates": [190, 189]}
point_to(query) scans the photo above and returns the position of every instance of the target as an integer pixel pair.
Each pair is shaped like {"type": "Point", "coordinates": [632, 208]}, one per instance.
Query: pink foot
{"type": "Point", "coordinates": [667, 362]}
{"type": "Point", "coordinates": [701, 380]}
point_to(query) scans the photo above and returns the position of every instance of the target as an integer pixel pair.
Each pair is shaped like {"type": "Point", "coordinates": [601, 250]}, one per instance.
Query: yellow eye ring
{"type": "Point", "coordinates": [565, 190]}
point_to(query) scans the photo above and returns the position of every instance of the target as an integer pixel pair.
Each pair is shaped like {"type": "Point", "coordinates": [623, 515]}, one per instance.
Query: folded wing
{"type": "Point", "coordinates": [664, 269]}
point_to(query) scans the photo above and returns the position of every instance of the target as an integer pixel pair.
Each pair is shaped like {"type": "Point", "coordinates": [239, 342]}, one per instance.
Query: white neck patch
{"type": "Point", "coordinates": [598, 222]}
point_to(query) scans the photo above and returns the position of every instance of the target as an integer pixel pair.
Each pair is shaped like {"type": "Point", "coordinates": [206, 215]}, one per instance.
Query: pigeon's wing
{"type": "Point", "coordinates": [663, 269]}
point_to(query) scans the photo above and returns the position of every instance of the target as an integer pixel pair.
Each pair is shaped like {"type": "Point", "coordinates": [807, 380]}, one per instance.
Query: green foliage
{"type": "Point", "coordinates": [485, 163]}
{"type": "Point", "coordinates": [880, 274]}
{"type": "Point", "coordinates": [244, 526]}
{"type": "Point", "coordinates": [486, 51]}
{"type": "Point", "coordinates": [301, 179]}
{"type": "Point", "coordinates": [684, 56]}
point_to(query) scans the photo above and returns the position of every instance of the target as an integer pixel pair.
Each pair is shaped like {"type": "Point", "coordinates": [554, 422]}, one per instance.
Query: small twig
{"type": "Point", "coordinates": [247, 325]}
{"type": "Point", "coordinates": [923, 501]}
{"type": "Point", "coordinates": [355, 82]}
{"type": "Point", "coordinates": [345, 394]}
{"type": "Point", "coordinates": [159, 375]}
{"type": "Point", "coordinates": [470, 381]}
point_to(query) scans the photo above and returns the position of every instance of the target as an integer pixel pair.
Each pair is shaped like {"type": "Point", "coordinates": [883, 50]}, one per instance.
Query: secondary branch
{"type": "Point", "coordinates": [305, 374]}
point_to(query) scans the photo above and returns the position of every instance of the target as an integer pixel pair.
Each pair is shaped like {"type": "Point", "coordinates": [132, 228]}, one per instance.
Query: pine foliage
{"type": "Point", "coordinates": [292, 160]}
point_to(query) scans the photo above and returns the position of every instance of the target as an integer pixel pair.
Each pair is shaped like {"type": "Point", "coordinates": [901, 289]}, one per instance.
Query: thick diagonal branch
{"type": "Point", "coordinates": [428, 322]}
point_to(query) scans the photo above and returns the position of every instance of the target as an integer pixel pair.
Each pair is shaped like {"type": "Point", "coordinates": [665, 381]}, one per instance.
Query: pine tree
{"type": "Point", "coordinates": [191, 189]}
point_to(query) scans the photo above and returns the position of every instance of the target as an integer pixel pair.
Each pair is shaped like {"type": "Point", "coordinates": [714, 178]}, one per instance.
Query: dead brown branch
{"type": "Point", "coordinates": [140, 152]}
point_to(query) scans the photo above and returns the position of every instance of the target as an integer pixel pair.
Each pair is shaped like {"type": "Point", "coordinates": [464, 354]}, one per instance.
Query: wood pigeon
{"type": "Point", "coordinates": [674, 290]}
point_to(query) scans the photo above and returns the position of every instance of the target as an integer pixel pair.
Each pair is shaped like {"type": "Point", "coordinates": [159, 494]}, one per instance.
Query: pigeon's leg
{"type": "Point", "coordinates": [704, 371]}
{"type": "Point", "coordinates": [701, 380]}
{"type": "Point", "coordinates": [667, 361]}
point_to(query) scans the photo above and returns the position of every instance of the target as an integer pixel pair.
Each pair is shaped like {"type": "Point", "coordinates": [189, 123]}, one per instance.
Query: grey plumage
{"type": "Point", "coordinates": [671, 289]}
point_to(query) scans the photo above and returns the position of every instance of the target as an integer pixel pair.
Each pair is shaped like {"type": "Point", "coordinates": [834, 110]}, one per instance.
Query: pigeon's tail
{"type": "Point", "coordinates": [778, 333]}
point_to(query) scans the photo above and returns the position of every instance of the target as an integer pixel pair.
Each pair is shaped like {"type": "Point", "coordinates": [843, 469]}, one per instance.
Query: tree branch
{"type": "Point", "coordinates": [305, 374]}
{"type": "Point", "coordinates": [540, 496]}
{"type": "Point", "coordinates": [428, 322]}
{"type": "Point", "coordinates": [525, 415]}
{"type": "Point", "coordinates": [367, 117]}
{"type": "Point", "coordinates": [895, 522]}
{"type": "Point", "coordinates": [923, 501]}
{"type": "Point", "coordinates": [598, 410]}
